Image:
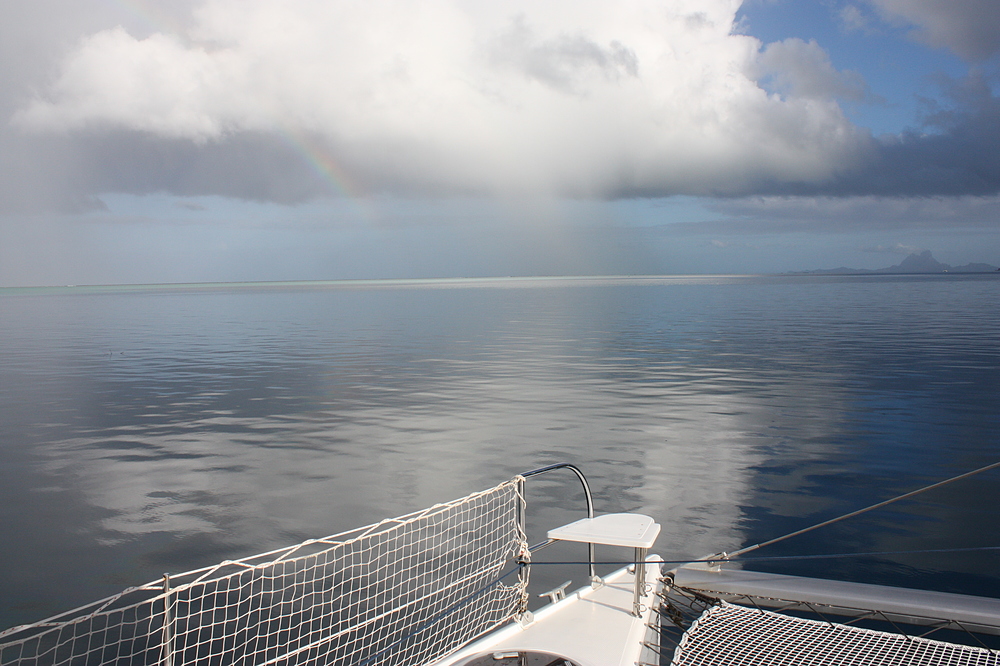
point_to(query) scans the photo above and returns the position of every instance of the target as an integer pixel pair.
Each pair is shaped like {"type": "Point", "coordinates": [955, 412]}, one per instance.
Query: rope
{"type": "Point", "coordinates": [742, 551]}
{"type": "Point", "coordinates": [769, 558]}
{"type": "Point", "coordinates": [440, 616]}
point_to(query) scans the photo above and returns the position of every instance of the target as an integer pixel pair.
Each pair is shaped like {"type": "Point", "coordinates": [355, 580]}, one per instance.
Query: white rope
{"type": "Point", "coordinates": [339, 600]}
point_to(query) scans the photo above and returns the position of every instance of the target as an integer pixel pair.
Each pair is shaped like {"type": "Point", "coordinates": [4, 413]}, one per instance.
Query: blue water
{"type": "Point", "coordinates": [159, 429]}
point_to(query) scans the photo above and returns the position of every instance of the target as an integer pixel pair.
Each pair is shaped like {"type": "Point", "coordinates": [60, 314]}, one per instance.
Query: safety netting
{"type": "Point", "coordinates": [402, 591]}
{"type": "Point", "coordinates": [731, 635]}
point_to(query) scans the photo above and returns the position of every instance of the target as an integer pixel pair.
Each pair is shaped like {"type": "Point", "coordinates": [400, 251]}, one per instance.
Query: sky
{"type": "Point", "coordinates": [149, 141]}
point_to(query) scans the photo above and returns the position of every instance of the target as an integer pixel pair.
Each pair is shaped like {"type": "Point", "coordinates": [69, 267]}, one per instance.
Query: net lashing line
{"type": "Point", "coordinates": [678, 610]}
{"type": "Point", "coordinates": [781, 558]}
{"type": "Point", "coordinates": [404, 591]}
{"type": "Point", "coordinates": [731, 635]}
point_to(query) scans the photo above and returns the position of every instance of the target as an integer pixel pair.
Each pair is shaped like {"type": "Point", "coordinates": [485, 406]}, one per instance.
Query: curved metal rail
{"type": "Point", "coordinates": [590, 508]}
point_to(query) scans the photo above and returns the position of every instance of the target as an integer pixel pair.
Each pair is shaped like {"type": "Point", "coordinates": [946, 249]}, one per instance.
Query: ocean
{"type": "Point", "coordinates": [154, 429]}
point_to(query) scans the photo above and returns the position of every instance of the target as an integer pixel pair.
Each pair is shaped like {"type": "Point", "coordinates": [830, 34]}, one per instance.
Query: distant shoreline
{"type": "Point", "coordinates": [860, 271]}
{"type": "Point", "coordinates": [914, 264]}
{"type": "Point", "coordinates": [457, 282]}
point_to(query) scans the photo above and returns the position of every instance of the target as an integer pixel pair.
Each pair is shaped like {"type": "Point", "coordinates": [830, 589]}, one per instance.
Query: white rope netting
{"type": "Point", "coordinates": [731, 635]}
{"type": "Point", "coordinates": [403, 591]}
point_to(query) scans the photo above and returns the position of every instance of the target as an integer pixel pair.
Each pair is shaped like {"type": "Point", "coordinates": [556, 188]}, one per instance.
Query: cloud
{"type": "Point", "coordinates": [729, 244]}
{"type": "Point", "coordinates": [67, 173]}
{"type": "Point", "coordinates": [114, 80]}
{"type": "Point", "coordinates": [583, 98]}
{"type": "Point", "coordinates": [803, 69]}
{"type": "Point", "coordinates": [289, 101]}
{"type": "Point", "coordinates": [776, 214]}
{"type": "Point", "coordinates": [970, 28]}
{"type": "Point", "coordinates": [852, 19]}
{"type": "Point", "coordinates": [898, 248]}
{"type": "Point", "coordinates": [956, 151]}
{"type": "Point", "coordinates": [562, 61]}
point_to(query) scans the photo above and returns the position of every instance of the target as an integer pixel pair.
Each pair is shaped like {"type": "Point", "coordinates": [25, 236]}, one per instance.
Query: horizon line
{"type": "Point", "coordinates": [414, 281]}
{"type": "Point", "coordinates": [377, 281]}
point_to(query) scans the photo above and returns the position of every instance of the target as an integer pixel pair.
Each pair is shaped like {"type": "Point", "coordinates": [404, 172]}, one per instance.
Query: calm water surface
{"type": "Point", "coordinates": [152, 430]}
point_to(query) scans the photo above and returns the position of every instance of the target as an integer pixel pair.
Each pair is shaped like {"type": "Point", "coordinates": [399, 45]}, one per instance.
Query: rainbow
{"type": "Point", "coordinates": [319, 159]}
{"type": "Point", "coordinates": [322, 163]}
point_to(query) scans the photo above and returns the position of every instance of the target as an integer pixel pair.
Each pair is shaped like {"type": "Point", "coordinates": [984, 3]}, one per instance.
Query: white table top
{"type": "Point", "coordinates": [632, 530]}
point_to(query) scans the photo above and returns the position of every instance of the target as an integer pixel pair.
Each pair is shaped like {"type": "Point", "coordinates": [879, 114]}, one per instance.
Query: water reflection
{"type": "Point", "coordinates": [151, 431]}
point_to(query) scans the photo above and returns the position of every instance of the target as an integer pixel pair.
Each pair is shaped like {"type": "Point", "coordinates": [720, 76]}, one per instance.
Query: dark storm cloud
{"type": "Point", "coordinates": [66, 173]}
{"type": "Point", "coordinates": [956, 150]}
{"type": "Point", "coordinates": [970, 28]}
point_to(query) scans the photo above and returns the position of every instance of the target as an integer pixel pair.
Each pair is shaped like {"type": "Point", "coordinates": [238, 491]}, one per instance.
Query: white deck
{"type": "Point", "coordinates": [591, 627]}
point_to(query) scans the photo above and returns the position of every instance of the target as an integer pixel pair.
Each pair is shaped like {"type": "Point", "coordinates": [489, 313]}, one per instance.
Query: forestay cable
{"type": "Point", "coordinates": [743, 551]}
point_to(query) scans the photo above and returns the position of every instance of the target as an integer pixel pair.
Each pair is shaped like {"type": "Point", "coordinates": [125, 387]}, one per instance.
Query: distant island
{"type": "Point", "coordinates": [915, 263]}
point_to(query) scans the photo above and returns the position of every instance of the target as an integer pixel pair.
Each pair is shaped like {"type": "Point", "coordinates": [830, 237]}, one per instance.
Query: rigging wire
{"type": "Point", "coordinates": [742, 551]}
{"type": "Point", "coordinates": [830, 556]}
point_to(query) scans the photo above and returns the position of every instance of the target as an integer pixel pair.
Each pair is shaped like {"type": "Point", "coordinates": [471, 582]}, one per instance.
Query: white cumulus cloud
{"type": "Point", "coordinates": [572, 97]}
{"type": "Point", "coordinates": [803, 69]}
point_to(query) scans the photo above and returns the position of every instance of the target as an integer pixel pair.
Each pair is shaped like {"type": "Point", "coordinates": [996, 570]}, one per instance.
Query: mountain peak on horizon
{"type": "Point", "coordinates": [913, 263]}
{"type": "Point", "coordinates": [918, 263]}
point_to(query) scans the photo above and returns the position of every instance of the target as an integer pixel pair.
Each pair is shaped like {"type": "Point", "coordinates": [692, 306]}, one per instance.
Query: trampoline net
{"type": "Point", "coordinates": [403, 591]}
{"type": "Point", "coordinates": [731, 635]}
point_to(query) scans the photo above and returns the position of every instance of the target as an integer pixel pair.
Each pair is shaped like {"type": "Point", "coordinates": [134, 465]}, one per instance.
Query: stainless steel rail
{"type": "Point", "coordinates": [590, 509]}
